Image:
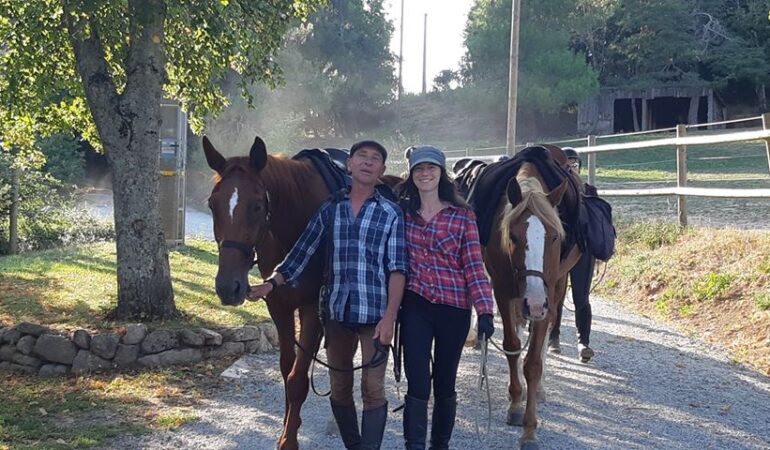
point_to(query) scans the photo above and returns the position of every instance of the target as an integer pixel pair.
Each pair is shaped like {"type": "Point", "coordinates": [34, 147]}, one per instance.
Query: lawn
{"type": "Point", "coordinates": [75, 287]}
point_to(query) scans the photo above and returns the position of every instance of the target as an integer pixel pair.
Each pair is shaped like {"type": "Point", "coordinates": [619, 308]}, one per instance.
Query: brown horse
{"type": "Point", "coordinates": [529, 278]}
{"type": "Point", "coordinates": [260, 205]}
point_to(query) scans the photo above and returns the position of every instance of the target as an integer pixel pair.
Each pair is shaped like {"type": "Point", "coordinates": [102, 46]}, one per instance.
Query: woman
{"type": "Point", "coordinates": [446, 279]}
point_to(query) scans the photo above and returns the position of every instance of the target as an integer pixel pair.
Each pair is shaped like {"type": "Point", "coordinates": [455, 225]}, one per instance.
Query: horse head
{"type": "Point", "coordinates": [535, 234]}
{"type": "Point", "coordinates": [240, 207]}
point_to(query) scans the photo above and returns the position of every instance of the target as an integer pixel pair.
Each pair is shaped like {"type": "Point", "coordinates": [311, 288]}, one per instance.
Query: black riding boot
{"type": "Point", "coordinates": [347, 422]}
{"type": "Point", "coordinates": [373, 427]}
{"type": "Point", "coordinates": [415, 423]}
{"type": "Point", "coordinates": [443, 422]}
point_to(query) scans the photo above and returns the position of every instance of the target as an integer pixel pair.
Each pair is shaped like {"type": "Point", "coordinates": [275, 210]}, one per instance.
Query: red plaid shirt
{"type": "Point", "coordinates": [445, 264]}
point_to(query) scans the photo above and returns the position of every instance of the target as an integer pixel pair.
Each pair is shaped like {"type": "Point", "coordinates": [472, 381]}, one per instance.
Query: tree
{"type": "Point", "coordinates": [103, 67]}
{"type": "Point", "coordinates": [551, 75]}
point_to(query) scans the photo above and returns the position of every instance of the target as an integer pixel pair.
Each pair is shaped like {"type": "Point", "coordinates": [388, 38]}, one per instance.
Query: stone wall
{"type": "Point", "coordinates": [33, 349]}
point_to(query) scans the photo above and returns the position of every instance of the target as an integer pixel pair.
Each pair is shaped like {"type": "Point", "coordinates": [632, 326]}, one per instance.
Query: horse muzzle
{"type": "Point", "coordinates": [535, 311]}
{"type": "Point", "coordinates": [232, 290]}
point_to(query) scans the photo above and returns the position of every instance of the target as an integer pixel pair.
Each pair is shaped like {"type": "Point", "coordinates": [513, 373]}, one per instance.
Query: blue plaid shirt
{"type": "Point", "coordinates": [366, 249]}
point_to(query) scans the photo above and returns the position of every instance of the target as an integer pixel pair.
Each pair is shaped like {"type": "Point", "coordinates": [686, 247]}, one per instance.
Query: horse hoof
{"type": "Point", "coordinates": [515, 418]}
{"type": "Point", "coordinates": [529, 445]}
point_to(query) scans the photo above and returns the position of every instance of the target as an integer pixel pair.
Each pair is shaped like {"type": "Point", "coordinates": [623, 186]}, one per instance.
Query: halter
{"type": "Point", "coordinates": [524, 274]}
{"type": "Point", "coordinates": [251, 250]}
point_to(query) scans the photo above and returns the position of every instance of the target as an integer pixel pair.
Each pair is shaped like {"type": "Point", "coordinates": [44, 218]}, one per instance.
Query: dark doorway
{"type": "Point", "coordinates": [669, 111]}
{"type": "Point", "coordinates": [623, 121]}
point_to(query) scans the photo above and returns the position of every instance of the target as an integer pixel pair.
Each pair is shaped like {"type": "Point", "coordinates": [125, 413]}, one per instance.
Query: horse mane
{"type": "Point", "coordinates": [533, 199]}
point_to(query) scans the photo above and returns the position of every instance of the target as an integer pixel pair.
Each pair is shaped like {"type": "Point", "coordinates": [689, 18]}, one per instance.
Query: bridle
{"type": "Point", "coordinates": [250, 250]}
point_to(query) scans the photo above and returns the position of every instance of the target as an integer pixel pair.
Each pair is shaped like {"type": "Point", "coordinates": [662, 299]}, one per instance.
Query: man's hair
{"type": "Point", "coordinates": [369, 144]}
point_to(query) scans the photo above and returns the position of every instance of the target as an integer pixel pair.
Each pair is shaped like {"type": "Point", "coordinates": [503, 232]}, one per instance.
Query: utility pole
{"type": "Point", "coordinates": [424, 53]}
{"type": "Point", "coordinates": [513, 78]}
{"type": "Point", "coordinates": [13, 232]}
{"type": "Point", "coordinates": [401, 53]}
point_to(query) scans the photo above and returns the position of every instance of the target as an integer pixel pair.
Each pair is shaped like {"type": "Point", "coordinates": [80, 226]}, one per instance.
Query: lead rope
{"type": "Point", "coordinates": [483, 385]}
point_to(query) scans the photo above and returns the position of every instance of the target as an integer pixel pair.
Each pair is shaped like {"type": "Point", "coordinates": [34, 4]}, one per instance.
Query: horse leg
{"type": "Point", "coordinates": [297, 382]}
{"type": "Point", "coordinates": [283, 318]}
{"type": "Point", "coordinates": [512, 343]}
{"type": "Point", "coordinates": [533, 371]}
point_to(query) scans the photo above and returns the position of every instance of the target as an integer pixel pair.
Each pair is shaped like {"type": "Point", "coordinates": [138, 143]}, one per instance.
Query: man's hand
{"type": "Point", "coordinates": [259, 292]}
{"type": "Point", "coordinates": [384, 330]}
{"type": "Point", "coordinates": [486, 326]}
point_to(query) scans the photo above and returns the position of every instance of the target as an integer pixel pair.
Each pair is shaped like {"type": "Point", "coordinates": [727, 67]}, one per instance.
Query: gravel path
{"type": "Point", "coordinates": [648, 387]}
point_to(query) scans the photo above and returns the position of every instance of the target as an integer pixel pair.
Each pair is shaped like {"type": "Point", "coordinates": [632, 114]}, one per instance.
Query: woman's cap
{"type": "Point", "coordinates": [426, 153]}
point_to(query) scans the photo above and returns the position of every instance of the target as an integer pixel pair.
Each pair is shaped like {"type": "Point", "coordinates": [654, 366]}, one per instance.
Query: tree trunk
{"type": "Point", "coordinates": [128, 126]}
{"type": "Point", "coordinates": [634, 115]}
{"type": "Point", "coordinates": [762, 98]}
{"type": "Point", "coordinates": [692, 116]}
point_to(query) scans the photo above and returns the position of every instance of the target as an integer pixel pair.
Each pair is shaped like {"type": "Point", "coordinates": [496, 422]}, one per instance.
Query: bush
{"type": "Point", "coordinates": [652, 234]}
{"type": "Point", "coordinates": [64, 159]}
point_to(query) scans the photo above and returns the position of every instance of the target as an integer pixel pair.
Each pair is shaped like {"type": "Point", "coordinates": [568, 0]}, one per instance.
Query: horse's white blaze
{"type": "Point", "coordinates": [233, 203]}
{"type": "Point", "coordinates": [534, 260]}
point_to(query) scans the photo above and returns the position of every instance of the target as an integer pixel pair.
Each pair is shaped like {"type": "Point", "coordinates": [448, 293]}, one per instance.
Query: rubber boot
{"type": "Point", "coordinates": [415, 422]}
{"type": "Point", "coordinates": [347, 422]}
{"type": "Point", "coordinates": [443, 422]}
{"type": "Point", "coordinates": [373, 427]}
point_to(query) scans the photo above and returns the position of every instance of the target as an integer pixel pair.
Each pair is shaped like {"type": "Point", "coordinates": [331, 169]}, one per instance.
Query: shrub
{"type": "Point", "coordinates": [653, 234]}
{"type": "Point", "coordinates": [712, 286]}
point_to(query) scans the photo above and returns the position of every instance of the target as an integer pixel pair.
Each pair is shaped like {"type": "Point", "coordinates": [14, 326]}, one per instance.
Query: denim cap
{"type": "Point", "coordinates": [428, 154]}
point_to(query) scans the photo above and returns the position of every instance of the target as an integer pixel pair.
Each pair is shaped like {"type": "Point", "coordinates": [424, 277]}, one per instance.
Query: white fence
{"type": "Point", "coordinates": [679, 143]}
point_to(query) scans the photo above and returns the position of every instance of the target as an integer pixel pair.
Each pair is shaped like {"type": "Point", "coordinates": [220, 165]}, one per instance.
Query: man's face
{"type": "Point", "coordinates": [366, 166]}
{"type": "Point", "coordinates": [574, 165]}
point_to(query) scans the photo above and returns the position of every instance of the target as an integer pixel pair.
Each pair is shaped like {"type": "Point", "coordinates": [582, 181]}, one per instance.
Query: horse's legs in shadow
{"type": "Point", "coordinates": [283, 318]}
{"type": "Point", "coordinates": [533, 371]}
{"type": "Point", "coordinates": [297, 381]}
{"type": "Point", "coordinates": [512, 343]}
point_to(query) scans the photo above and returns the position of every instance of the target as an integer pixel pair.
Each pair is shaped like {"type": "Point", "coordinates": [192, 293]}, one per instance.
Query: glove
{"type": "Point", "coordinates": [486, 326]}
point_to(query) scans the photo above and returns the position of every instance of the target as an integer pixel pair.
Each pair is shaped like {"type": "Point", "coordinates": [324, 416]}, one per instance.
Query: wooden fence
{"type": "Point", "coordinates": [680, 143]}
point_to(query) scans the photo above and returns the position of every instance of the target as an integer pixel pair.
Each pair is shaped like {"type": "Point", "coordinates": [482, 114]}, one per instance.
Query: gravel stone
{"type": "Point", "coordinates": [648, 387]}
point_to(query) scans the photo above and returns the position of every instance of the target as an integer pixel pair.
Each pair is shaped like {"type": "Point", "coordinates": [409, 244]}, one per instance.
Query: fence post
{"type": "Point", "coordinates": [591, 161]}
{"type": "Point", "coordinates": [766, 126]}
{"type": "Point", "coordinates": [13, 232]}
{"type": "Point", "coordinates": [681, 175]}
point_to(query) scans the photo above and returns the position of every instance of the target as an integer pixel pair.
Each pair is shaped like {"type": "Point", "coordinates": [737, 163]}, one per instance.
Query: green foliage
{"type": "Point", "coordinates": [762, 301]}
{"type": "Point", "coordinates": [764, 265]}
{"type": "Point", "coordinates": [63, 158]}
{"type": "Point", "coordinates": [712, 286]}
{"type": "Point", "coordinates": [652, 234]}
{"type": "Point", "coordinates": [551, 75]}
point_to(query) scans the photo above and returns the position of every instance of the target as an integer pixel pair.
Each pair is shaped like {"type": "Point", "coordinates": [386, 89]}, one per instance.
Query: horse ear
{"type": "Point", "coordinates": [557, 194]}
{"type": "Point", "coordinates": [215, 159]}
{"type": "Point", "coordinates": [258, 154]}
{"type": "Point", "coordinates": [513, 191]}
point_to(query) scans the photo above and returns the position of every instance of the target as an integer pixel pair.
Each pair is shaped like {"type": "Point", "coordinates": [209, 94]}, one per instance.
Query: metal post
{"type": "Point", "coordinates": [424, 54]}
{"type": "Point", "coordinates": [13, 232]}
{"type": "Point", "coordinates": [681, 175]}
{"type": "Point", "coordinates": [591, 161]}
{"type": "Point", "coordinates": [766, 126]}
{"type": "Point", "coordinates": [401, 53]}
{"type": "Point", "coordinates": [513, 78]}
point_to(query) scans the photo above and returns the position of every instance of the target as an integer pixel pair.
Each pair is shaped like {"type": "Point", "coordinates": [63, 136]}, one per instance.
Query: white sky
{"type": "Point", "coordinates": [446, 22]}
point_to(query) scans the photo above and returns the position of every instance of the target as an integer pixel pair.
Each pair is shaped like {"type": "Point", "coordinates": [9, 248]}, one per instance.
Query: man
{"type": "Point", "coordinates": [580, 278]}
{"type": "Point", "coordinates": [363, 290]}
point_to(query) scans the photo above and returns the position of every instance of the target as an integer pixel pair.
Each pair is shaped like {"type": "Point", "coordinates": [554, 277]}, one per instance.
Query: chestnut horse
{"type": "Point", "coordinates": [260, 205]}
{"type": "Point", "coordinates": [529, 278]}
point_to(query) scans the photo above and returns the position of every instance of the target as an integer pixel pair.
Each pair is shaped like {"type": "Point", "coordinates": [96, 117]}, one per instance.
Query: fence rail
{"type": "Point", "coordinates": [680, 143]}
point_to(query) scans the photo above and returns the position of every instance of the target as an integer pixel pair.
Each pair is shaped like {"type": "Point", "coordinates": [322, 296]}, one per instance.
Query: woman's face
{"type": "Point", "coordinates": [426, 176]}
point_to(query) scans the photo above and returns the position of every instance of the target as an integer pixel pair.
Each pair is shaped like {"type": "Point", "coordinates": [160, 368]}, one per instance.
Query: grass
{"type": "Point", "coordinates": [85, 412]}
{"type": "Point", "coordinates": [709, 282]}
{"type": "Point", "coordinates": [76, 287]}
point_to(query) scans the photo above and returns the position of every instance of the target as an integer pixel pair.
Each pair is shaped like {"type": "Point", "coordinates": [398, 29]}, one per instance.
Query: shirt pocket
{"type": "Point", "coordinates": [446, 242]}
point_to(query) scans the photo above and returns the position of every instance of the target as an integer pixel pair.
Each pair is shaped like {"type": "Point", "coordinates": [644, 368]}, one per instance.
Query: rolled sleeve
{"type": "Point", "coordinates": [296, 261]}
{"type": "Point", "coordinates": [477, 282]}
{"type": "Point", "coordinates": [396, 253]}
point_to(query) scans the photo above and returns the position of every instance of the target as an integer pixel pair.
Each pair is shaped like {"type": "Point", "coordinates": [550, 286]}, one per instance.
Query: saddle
{"type": "Point", "coordinates": [330, 164]}
{"type": "Point", "coordinates": [488, 184]}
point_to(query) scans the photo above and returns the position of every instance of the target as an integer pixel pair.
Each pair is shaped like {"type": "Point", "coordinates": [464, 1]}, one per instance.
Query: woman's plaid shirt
{"type": "Point", "coordinates": [445, 264]}
{"type": "Point", "coordinates": [366, 249]}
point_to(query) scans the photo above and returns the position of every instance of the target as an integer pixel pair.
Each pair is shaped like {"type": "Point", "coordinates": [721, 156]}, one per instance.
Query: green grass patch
{"type": "Point", "coordinates": [652, 234]}
{"type": "Point", "coordinates": [762, 302]}
{"type": "Point", "coordinates": [85, 412]}
{"type": "Point", "coordinates": [76, 287]}
{"type": "Point", "coordinates": [713, 285]}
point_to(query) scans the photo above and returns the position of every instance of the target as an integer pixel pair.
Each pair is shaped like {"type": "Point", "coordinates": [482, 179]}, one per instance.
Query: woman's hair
{"type": "Point", "coordinates": [409, 195]}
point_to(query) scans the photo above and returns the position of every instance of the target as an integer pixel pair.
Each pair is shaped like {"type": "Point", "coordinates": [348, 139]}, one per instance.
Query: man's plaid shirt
{"type": "Point", "coordinates": [445, 264]}
{"type": "Point", "coordinates": [366, 249]}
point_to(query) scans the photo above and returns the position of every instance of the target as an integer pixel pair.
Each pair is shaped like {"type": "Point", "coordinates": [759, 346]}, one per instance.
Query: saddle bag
{"type": "Point", "coordinates": [597, 227]}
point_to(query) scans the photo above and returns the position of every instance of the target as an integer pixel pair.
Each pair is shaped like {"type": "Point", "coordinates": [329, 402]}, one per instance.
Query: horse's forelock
{"type": "Point", "coordinates": [534, 200]}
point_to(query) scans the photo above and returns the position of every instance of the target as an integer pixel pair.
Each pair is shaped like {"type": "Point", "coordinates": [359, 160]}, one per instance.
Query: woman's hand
{"type": "Point", "coordinates": [259, 292]}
